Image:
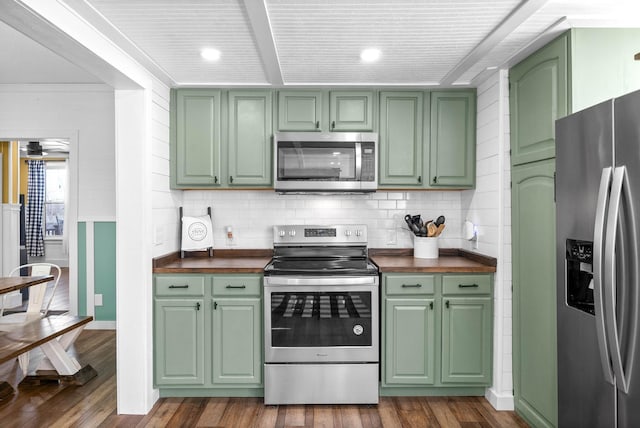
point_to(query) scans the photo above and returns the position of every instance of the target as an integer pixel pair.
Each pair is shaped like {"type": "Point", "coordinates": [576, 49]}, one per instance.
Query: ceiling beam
{"type": "Point", "coordinates": [102, 24]}
{"type": "Point", "coordinates": [506, 27]}
{"type": "Point", "coordinates": [259, 21]}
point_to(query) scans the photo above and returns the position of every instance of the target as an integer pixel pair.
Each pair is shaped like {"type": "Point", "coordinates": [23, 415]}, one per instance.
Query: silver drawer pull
{"type": "Point", "coordinates": [236, 286]}
{"type": "Point", "coordinates": [411, 285]}
{"type": "Point", "coordinates": [468, 285]}
{"type": "Point", "coordinates": [179, 286]}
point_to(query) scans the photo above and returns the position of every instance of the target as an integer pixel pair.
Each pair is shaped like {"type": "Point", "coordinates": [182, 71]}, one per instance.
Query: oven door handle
{"type": "Point", "coordinates": [331, 280]}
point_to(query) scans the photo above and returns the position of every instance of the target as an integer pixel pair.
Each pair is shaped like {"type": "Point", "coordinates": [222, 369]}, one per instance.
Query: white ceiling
{"type": "Point", "coordinates": [297, 42]}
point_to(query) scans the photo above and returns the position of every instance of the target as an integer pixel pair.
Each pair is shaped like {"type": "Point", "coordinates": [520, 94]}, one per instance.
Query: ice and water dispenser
{"type": "Point", "coordinates": [579, 265]}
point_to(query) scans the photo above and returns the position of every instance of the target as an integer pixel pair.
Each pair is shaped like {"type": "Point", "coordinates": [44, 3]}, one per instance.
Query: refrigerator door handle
{"type": "Point", "coordinates": [598, 248]}
{"type": "Point", "coordinates": [620, 183]}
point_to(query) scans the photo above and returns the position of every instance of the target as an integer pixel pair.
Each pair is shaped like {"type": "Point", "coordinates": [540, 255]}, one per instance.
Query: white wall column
{"type": "Point", "coordinates": [135, 393]}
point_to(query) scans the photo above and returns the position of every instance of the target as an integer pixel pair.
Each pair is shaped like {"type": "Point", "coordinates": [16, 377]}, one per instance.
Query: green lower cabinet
{"type": "Point", "coordinates": [437, 334]}
{"type": "Point", "coordinates": [237, 341]}
{"type": "Point", "coordinates": [208, 335]}
{"type": "Point", "coordinates": [179, 341]}
{"type": "Point", "coordinates": [410, 345]}
{"type": "Point", "coordinates": [534, 292]}
{"type": "Point", "coordinates": [466, 340]}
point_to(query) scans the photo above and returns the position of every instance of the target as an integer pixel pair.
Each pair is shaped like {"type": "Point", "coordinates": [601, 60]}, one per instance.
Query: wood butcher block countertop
{"type": "Point", "coordinates": [387, 260]}
{"type": "Point", "coordinates": [450, 260]}
{"type": "Point", "coordinates": [223, 261]}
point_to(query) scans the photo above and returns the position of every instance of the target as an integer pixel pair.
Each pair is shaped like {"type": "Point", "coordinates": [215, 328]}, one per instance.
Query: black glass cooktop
{"type": "Point", "coordinates": [321, 266]}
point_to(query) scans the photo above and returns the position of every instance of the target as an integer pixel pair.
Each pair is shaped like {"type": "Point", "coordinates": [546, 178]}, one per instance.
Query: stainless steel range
{"type": "Point", "coordinates": [321, 317]}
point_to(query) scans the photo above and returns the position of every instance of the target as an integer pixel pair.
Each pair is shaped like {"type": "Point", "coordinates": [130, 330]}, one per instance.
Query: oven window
{"type": "Point", "coordinates": [321, 319]}
{"type": "Point", "coordinates": [316, 161]}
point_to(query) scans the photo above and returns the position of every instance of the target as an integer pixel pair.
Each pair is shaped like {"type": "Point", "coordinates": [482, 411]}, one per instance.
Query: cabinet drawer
{"type": "Point", "coordinates": [237, 285]}
{"type": "Point", "coordinates": [409, 284]}
{"type": "Point", "coordinates": [180, 285]}
{"type": "Point", "coordinates": [466, 284]}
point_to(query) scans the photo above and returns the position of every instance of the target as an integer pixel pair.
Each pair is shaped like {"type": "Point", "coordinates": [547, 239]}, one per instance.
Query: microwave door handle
{"type": "Point", "coordinates": [619, 179]}
{"type": "Point", "coordinates": [358, 147]}
{"type": "Point", "coordinates": [598, 279]}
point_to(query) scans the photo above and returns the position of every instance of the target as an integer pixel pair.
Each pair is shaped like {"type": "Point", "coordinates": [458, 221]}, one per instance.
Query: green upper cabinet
{"type": "Point", "coordinates": [538, 96]}
{"type": "Point", "coordinates": [305, 110]}
{"type": "Point", "coordinates": [198, 133]}
{"type": "Point", "coordinates": [300, 111]}
{"type": "Point", "coordinates": [452, 142]}
{"type": "Point", "coordinates": [351, 110]}
{"type": "Point", "coordinates": [250, 129]}
{"type": "Point", "coordinates": [401, 139]}
{"type": "Point", "coordinates": [562, 78]}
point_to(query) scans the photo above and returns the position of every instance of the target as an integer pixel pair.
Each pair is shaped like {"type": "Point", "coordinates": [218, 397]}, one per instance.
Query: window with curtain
{"type": "Point", "coordinates": [56, 177]}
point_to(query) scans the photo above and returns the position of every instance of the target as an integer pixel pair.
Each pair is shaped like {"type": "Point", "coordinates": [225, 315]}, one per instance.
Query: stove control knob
{"type": "Point", "coordinates": [358, 232]}
{"type": "Point", "coordinates": [282, 233]}
{"type": "Point", "coordinates": [347, 233]}
{"type": "Point", "coordinates": [292, 233]}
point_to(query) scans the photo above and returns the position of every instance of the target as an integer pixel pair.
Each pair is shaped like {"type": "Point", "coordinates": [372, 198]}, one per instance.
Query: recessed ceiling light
{"type": "Point", "coordinates": [210, 54]}
{"type": "Point", "coordinates": [370, 55]}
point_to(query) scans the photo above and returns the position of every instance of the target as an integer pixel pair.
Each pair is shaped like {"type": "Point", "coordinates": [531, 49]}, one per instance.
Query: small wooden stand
{"type": "Point", "coordinates": [210, 249]}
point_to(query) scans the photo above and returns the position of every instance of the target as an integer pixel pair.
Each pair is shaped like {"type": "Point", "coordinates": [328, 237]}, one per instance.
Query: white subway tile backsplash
{"type": "Point", "coordinates": [253, 213]}
{"type": "Point", "coordinates": [387, 205]}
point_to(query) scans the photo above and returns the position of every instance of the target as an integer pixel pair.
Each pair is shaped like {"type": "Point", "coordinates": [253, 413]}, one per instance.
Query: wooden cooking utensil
{"type": "Point", "coordinates": [439, 230]}
{"type": "Point", "coordinates": [431, 229]}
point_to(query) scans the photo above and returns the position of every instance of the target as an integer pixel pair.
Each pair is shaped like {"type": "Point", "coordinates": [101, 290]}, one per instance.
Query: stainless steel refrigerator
{"type": "Point", "coordinates": [598, 219]}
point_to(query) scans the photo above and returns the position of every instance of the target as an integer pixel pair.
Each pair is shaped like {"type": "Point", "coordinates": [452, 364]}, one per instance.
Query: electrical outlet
{"type": "Point", "coordinates": [158, 235]}
{"type": "Point", "coordinates": [392, 237]}
{"type": "Point", "coordinates": [97, 300]}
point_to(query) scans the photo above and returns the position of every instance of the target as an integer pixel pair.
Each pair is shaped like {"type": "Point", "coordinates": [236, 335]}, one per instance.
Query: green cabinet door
{"type": "Point", "coordinates": [538, 96]}
{"type": "Point", "coordinates": [197, 147]}
{"type": "Point", "coordinates": [351, 110]}
{"type": "Point", "coordinates": [409, 354]}
{"type": "Point", "coordinates": [453, 139]}
{"type": "Point", "coordinates": [237, 341]}
{"type": "Point", "coordinates": [534, 292]}
{"type": "Point", "coordinates": [249, 148]}
{"type": "Point", "coordinates": [400, 139]}
{"type": "Point", "coordinates": [300, 111]}
{"type": "Point", "coordinates": [179, 341]}
{"type": "Point", "coordinates": [466, 340]}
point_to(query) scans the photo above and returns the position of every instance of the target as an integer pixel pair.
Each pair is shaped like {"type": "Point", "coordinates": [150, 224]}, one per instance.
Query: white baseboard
{"type": "Point", "coordinates": [499, 401]}
{"type": "Point", "coordinates": [101, 325]}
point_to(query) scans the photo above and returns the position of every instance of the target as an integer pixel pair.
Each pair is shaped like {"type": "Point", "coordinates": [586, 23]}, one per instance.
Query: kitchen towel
{"type": "Point", "coordinates": [197, 233]}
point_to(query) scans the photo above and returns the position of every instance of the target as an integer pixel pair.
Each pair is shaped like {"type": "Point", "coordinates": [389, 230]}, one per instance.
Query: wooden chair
{"type": "Point", "coordinates": [37, 307]}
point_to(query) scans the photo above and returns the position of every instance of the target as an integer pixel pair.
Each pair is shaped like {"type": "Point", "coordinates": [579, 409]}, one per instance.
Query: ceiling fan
{"type": "Point", "coordinates": [45, 147]}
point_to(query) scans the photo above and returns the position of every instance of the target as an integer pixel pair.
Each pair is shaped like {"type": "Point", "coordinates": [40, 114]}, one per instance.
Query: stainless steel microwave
{"type": "Point", "coordinates": [328, 162]}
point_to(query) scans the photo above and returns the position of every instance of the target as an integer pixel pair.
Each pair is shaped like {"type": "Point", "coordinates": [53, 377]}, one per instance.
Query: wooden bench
{"type": "Point", "coordinates": [53, 334]}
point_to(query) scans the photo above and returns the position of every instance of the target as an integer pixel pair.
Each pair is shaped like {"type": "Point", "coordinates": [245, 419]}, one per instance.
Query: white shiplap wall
{"type": "Point", "coordinates": [252, 214]}
{"type": "Point", "coordinates": [165, 201]}
{"type": "Point", "coordinates": [489, 207]}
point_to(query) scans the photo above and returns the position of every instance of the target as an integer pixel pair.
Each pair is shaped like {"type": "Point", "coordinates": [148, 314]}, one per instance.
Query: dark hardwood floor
{"type": "Point", "coordinates": [94, 404]}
